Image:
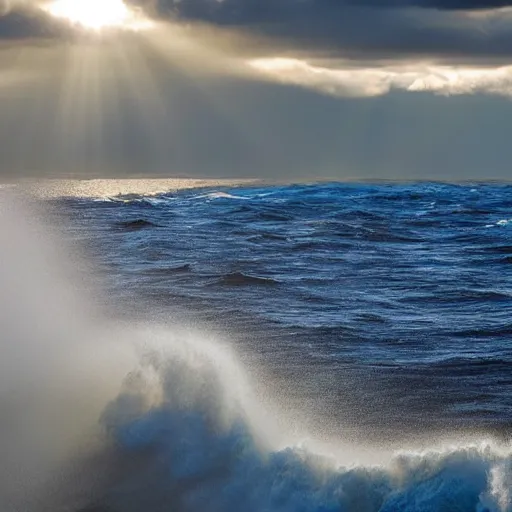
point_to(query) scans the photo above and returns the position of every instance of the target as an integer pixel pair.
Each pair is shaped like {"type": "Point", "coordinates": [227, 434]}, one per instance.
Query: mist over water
{"type": "Point", "coordinates": [100, 414]}
{"type": "Point", "coordinates": [58, 369]}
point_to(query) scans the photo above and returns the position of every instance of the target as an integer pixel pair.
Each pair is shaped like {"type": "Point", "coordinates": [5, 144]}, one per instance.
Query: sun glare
{"type": "Point", "coordinates": [96, 14]}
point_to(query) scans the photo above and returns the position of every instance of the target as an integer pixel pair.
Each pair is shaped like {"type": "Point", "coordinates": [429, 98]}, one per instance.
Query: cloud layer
{"type": "Point", "coordinates": [453, 30]}
{"type": "Point", "coordinates": [366, 82]}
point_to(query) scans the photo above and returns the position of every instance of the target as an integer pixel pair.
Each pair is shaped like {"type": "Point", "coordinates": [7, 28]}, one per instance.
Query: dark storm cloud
{"type": "Point", "coordinates": [436, 4]}
{"type": "Point", "coordinates": [441, 4]}
{"type": "Point", "coordinates": [368, 28]}
{"type": "Point", "coordinates": [22, 19]}
{"type": "Point", "coordinates": [359, 29]}
{"type": "Point", "coordinates": [254, 11]}
{"type": "Point", "coordinates": [27, 24]}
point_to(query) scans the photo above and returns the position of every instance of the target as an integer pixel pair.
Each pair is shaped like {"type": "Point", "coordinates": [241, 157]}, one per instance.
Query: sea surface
{"type": "Point", "coordinates": [366, 317]}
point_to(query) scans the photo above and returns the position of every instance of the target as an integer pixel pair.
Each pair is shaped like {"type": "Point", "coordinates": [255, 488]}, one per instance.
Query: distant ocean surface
{"type": "Point", "coordinates": [376, 315]}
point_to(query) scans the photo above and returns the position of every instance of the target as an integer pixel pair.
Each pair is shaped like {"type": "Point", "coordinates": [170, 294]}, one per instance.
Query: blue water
{"type": "Point", "coordinates": [377, 313]}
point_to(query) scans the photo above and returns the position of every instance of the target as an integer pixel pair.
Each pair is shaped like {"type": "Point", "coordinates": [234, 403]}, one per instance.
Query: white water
{"type": "Point", "coordinates": [145, 418]}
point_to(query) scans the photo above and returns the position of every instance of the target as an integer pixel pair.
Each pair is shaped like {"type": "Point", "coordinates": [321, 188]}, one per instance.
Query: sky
{"type": "Point", "coordinates": [281, 89]}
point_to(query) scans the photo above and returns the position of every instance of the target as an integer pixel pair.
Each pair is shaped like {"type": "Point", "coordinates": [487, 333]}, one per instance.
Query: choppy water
{"type": "Point", "coordinates": [389, 305]}
{"type": "Point", "coordinates": [377, 314]}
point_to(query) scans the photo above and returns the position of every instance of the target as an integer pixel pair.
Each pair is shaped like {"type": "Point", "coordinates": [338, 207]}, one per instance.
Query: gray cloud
{"type": "Point", "coordinates": [365, 32]}
{"type": "Point", "coordinates": [23, 20]}
{"type": "Point", "coordinates": [257, 11]}
{"type": "Point", "coordinates": [450, 29]}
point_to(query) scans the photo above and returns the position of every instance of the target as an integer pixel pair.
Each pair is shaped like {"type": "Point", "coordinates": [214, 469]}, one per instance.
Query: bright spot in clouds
{"type": "Point", "coordinates": [366, 82]}
{"type": "Point", "coordinates": [97, 14]}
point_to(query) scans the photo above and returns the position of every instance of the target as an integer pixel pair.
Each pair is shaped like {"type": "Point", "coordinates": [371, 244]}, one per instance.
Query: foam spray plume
{"type": "Point", "coordinates": [100, 416]}
{"type": "Point", "coordinates": [56, 371]}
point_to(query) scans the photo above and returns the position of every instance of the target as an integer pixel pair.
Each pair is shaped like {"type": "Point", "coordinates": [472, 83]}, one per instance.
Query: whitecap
{"type": "Point", "coordinates": [219, 195]}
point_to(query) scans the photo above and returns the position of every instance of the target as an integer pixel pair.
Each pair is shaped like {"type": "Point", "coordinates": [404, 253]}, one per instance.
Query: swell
{"type": "Point", "coordinates": [136, 225]}
{"type": "Point", "coordinates": [241, 279]}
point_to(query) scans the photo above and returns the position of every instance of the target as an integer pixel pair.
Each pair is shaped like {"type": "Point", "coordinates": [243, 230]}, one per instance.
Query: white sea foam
{"type": "Point", "coordinates": [220, 195]}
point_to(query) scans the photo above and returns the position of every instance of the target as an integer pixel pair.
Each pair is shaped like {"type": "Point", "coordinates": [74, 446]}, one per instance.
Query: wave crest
{"type": "Point", "coordinates": [204, 446]}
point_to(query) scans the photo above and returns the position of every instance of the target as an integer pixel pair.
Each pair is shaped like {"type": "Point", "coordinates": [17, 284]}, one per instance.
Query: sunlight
{"type": "Point", "coordinates": [97, 14]}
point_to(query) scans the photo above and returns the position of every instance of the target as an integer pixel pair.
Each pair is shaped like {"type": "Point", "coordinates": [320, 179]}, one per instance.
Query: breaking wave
{"type": "Point", "coordinates": [205, 446]}
{"type": "Point", "coordinates": [103, 416]}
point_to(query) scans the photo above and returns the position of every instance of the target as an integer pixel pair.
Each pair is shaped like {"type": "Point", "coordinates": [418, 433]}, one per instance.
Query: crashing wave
{"type": "Point", "coordinates": [204, 445]}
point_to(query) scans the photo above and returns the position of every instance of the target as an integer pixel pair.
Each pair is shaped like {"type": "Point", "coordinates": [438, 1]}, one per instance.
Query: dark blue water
{"type": "Point", "coordinates": [378, 312]}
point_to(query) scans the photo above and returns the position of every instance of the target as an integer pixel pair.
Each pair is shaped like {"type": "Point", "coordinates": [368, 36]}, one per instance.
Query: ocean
{"type": "Point", "coordinates": [315, 348]}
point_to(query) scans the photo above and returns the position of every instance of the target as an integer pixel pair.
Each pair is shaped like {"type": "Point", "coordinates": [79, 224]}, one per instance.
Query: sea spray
{"type": "Point", "coordinates": [58, 366]}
